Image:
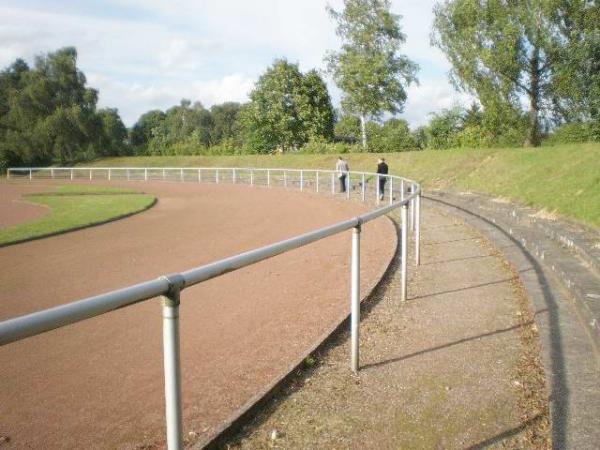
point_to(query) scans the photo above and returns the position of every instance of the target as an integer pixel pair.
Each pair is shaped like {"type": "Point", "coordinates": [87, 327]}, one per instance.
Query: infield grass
{"type": "Point", "coordinates": [74, 207]}
{"type": "Point", "coordinates": [563, 179]}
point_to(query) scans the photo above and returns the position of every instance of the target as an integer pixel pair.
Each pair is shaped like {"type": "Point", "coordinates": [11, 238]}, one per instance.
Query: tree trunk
{"type": "Point", "coordinates": [533, 134]}
{"type": "Point", "coordinates": [363, 129]}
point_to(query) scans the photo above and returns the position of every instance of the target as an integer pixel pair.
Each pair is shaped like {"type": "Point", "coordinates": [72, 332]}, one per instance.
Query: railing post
{"type": "Point", "coordinates": [52, 173]}
{"type": "Point", "coordinates": [31, 175]}
{"type": "Point", "coordinates": [301, 180]}
{"type": "Point", "coordinates": [412, 209]}
{"type": "Point", "coordinates": [377, 189]}
{"type": "Point", "coordinates": [332, 184]}
{"type": "Point", "coordinates": [109, 174]}
{"type": "Point", "coordinates": [404, 250]}
{"type": "Point", "coordinates": [233, 176]}
{"type": "Point", "coordinates": [355, 298]}
{"type": "Point", "coordinates": [217, 176]}
{"type": "Point", "coordinates": [146, 174]}
{"type": "Point", "coordinates": [268, 178]}
{"type": "Point", "coordinates": [90, 174]}
{"type": "Point", "coordinates": [172, 364]}
{"type": "Point", "coordinates": [251, 177]}
{"type": "Point", "coordinates": [199, 175]}
{"type": "Point", "coordinates": [402, 190]}
{"type": "Point", "coordinates": [181, 175]}
{"type": "Point", "coordinates": [317, 180]}
{"type": "Point", "coordinates": [127, 174]}
{"type": "Point", "coordinates": [284, 178]}
{"type": "Point", "coordinates": [164, 174]}
{"type": "Point", "coordinates": [71, 174]}
{"type": "Point", "coordinates": [362, 184]}
{"type": "Point", "coordinates": [418, 230]}
{"type": "Point", "coordinates": [347, 185]}
{"type": "Point", "coordinates": [391, 180]}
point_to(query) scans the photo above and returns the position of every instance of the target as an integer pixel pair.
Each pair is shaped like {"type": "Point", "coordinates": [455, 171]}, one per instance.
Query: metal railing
{"type": "Point", "coordinates": [402, 193]}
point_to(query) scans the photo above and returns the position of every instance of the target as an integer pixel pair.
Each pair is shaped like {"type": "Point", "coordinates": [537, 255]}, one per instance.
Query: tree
{"type": "Point", "coordinates": [48, 113]}
{"type": "Point", "coordinates": [224, 122]}
{"type": "Point", "coordinates": [502, 50]}
{"type": "Point", "coordinates": [142, 132]}
{"type": "Point", "coordinates": [287, 109]}
{"type": "Point", "coordinates": [368, 68]}
{"type": "Point", "coordinates": [113, 135]}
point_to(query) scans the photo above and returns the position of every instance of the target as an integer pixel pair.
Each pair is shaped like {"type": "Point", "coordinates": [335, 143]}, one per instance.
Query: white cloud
{"type": "Point", "coordinates": [144, 54]}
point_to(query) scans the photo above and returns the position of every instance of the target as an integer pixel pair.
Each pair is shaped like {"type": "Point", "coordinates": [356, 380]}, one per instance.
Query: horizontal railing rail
{"type": "Point", "coordinates": [169, 287]}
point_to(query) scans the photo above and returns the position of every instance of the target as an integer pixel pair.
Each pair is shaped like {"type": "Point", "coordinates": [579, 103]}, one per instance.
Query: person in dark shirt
{"type": "Point", "coordinates": [382, 169]}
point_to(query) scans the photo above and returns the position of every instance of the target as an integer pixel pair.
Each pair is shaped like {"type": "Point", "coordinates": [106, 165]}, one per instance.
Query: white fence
{"type": "Point", "coordinates": [395, 192]}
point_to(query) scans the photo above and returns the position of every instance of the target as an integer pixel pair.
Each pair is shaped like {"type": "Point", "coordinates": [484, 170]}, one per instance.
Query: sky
{"type": "Point", "coordinates": [149, 54]}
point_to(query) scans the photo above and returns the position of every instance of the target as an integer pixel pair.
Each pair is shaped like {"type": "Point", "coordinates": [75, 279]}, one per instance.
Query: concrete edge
{"type": "Point", "coordinates": [82, 227]}
{"type": "Point", "coordinates": [251, 408]}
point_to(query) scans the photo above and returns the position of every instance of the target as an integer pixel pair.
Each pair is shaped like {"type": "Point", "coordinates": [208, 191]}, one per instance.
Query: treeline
{"type": "Point", "coordinates": [533, 67]}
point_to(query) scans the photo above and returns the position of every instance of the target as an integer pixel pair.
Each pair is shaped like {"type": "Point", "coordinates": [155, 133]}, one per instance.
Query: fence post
{"type": "Point", "coordinates": [251, 177]}
{"type": "Point", "coordinates": [317, 180]}
{"type": "Point", "coordinates": [418, 230]}
{"type": "Point", "coordinates": [402, 190]}
{"type": "Point", "coordinates": [127, 174]}
{"type": "Point", "coordinates": [347, 185]}
{"type": "Point", "coordinates": [362, 184]}
{"type": "Point", "coordinates": [301, 180]}
{"type": "Point", "coordinates": [31, 175]}
{"type": "Point", "coordinates": [391, 189]}
{"type": "Point", "coordinates": [90, 174]}
{"type": "Point", "coordinates": [217, 176]}
{"type": "Point", "coordinates": [377, 189]}
{"type": "Point", "coordinates": [146, 174]}
{"type": "Point", "coordinates": [404, 250]}
{"type": "Point", "coordinates": [355, 298]}
{"type": "Point", "coordinates": [268, 178]}
{"type": "Point", "coordinates": [52, 173]}
{"type": "Point", "coordinates": [412, 209]}
{"type": "Point", "coordinates": [233, 176]}
{"type": "Point", "coordinates": [181, 175]}
{"type": "Point", "coordinates": [199, 175]}
{"type": "Point", "coordinates": [109, 174]}
{"type": "Point", "coordinates": [332, 184]}
{"type": "Point", "coordinates": [172, 365]}
{"type": "Point", "coordinates": [164, 174]}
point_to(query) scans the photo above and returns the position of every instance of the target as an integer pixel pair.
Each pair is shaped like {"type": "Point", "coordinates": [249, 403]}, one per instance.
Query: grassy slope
{"type": "Point", "coordinates": [546, 177]}
{"type": "Point", "coordinates": [75, 211]}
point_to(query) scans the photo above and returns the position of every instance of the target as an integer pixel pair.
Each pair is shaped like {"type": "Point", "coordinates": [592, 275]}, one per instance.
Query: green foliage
{"type": "Point", "coordinates": [548, 51]}
{"type": "Point", "coordinates": [368, 68]}
{"type": "Point", "coordinates": [393, 136]}
{"type": "Point", "coordinates": [47, 114]}
{"type": "Point", "coordinates": [348, 127]}
{"type": "Point", "coordinates": [142, 132]}
{"type": "Point", "coordinates": [573, 133]}
{"type": "Point", "coordinates": [287, 109]}
{"type": "Point", "coordinates": [329, 148]}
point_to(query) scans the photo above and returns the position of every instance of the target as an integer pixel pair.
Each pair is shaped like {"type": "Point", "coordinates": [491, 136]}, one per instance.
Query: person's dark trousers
{"type": "Point", "coordinates": [343, 183]}
{"type": "Point", "coordinates": [382, 181]}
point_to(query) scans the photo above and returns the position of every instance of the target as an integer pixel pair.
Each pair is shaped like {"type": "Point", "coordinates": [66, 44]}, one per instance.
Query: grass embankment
{"type": "Point", "coordinates": [564, 179]}
{"type": "Point", "coordinates": [73, 207]}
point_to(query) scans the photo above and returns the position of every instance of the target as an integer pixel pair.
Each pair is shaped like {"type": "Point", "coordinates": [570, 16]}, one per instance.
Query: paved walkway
{"type": "Point", "coordinates": [456, 366]}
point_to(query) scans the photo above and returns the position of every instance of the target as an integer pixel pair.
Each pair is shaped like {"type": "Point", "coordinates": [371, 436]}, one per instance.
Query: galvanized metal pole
{"type": "Point", "coordinates": [355, 298]}
{"type": "Point", "coordinates": [412, 210]}
{"type": "Point", "coordinates": [404, 251]}
{"type": "Point", "coordinates": [172, 365]}
{"type": "Point", "coordinates": [401, 190]}
{"type": "Point", "coordinates": [332, 184]}
{"type": "Point", "coordinates": [362, 183]}
{"type": "Point", "coordinates": [347, 185]}
{"type": "Point", "coordinates": [418, 231]}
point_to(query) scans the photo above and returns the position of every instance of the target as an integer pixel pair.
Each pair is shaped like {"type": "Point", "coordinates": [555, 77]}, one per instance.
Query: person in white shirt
{"type": "Point", "coordinates": [342, 169]}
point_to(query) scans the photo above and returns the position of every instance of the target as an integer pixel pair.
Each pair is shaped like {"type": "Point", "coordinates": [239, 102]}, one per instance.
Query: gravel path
{"type": "Point", "coordinates": [456, 366]}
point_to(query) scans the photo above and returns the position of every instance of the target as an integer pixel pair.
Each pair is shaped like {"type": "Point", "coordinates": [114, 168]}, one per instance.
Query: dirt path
{"type": "Point", "coordinates": [99, 384]}
{"type": "Point", "coordinates": [13, 209]}
{"type": "Point", "coordinates": [456, 366]}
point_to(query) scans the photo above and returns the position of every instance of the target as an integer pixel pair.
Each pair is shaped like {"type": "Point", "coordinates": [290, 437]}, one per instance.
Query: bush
{"type": "Point", "coordinates": [577, 132]}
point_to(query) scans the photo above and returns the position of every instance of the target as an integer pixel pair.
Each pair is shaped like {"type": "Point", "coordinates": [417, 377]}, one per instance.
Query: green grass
{"type": "Point", "coordinates": [83, 189]}
{"type": "Point", "coordinates": [564, 179]}
{"type": "Point", "coordinates": [73, 209]}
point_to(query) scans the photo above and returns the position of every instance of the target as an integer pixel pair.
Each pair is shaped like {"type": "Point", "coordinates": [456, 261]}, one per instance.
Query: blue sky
{"type": "Point", "coordinates": [147, 54]}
